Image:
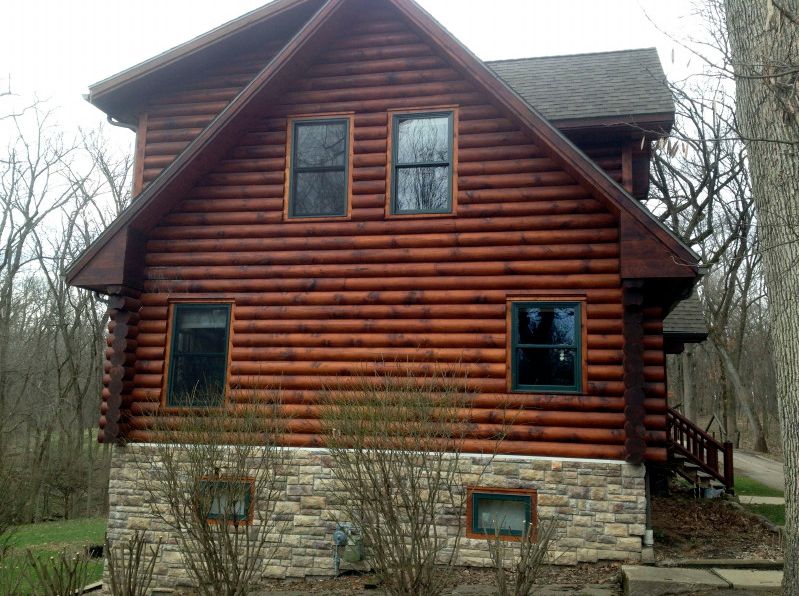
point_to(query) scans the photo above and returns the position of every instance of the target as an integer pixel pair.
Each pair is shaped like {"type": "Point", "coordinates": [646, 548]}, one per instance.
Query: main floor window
{"type": "Point", "coordinates": [422, 163]}
{"type": "Point", "coordinates": [198, 354]}
{"type": "Point", "coordinates": [545, 346]}
{"type": "Point", "coordinates": [319, 181]}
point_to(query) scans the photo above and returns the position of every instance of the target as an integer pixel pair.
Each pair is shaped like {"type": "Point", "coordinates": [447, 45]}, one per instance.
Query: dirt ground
{"type": "Point", "coordinates": [689, 528]}
{"type": "Point", "coordinates": [579, 575]}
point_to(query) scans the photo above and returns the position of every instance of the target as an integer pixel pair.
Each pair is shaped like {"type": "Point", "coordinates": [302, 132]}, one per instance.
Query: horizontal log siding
{"type": "Point", "coordinates": [176, 117]}
{"type": "Point", "coordinates": [320, 302]}
{"type": "Point", "coordinates": [655, 377]}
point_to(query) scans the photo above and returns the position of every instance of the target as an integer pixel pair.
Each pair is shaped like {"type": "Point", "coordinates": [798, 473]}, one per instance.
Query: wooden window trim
{"type": "Point", "coordinates": [546, 298]}
{"type": "Point", "coordinates": [454, 112]}
{"type": "Point", "coordinates": [244, 480]}
{"type": "Point", "coordinates": [485, 490]}
{"type": "Point", "coordinates": [165, 407]}
{"type": "Point", "coordinates": [288, 176]}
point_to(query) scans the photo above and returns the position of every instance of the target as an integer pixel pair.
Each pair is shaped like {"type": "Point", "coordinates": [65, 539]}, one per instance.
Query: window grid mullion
{"type": "Point", "coordinates": [423, 164]}
{"type": "Point", "coordinates": [315, 169]}
{"type": "Point", "coordinates": [547, 346]}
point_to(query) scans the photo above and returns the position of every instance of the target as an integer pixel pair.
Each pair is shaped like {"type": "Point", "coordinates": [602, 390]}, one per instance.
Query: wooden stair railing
{"type": "Point", "coordinates": [698, 447]}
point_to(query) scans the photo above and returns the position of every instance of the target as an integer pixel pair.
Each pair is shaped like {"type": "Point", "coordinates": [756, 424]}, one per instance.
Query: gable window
{"type": "Point", "coordinates": [226, 500]}
{"type": "Point", "coordinates": [511, 513]}
{"type": "Point", "coordinates": [319, 182]}
{"type": "Point", "coordinates": [421, 180]}
{"type": "Point", "coordinates": [198, 354]}
{"type": "Point", "coordinates": [545, 346]}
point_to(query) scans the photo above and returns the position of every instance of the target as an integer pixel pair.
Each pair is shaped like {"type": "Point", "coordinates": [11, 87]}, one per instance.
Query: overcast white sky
{"type": "Point", "coordinates": [56, 48]}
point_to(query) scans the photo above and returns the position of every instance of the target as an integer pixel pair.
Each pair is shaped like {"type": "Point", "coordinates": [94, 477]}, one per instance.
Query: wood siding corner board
{"type": "Point", "coordinates": [322, 302]}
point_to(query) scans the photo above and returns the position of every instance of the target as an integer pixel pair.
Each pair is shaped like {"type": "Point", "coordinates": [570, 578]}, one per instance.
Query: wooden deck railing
{"type": "Point", "coordinates": [698, 447]}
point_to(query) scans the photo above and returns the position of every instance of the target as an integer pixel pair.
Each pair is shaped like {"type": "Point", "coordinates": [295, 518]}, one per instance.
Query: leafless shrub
{"type": "Point", "coordinates": [66, 573]}
{"type": "Point", "coordinates": [396, 442]}
{"type": "Point", "coordinates": [219, 481]}
{"type": "Point", "coordinates": [527, 558]}
{"type": "Point", "coordinates": [130, 566]}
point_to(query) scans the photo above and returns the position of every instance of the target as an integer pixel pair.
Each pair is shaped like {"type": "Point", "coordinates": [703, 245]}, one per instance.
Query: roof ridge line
{"type": "Point", "coordinates": [604, 52]}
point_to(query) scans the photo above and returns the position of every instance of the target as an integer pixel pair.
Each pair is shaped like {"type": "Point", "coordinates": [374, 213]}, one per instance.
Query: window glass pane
{"type": "Point", "coordinates": [422, 189]}
{"type": "Point", "coordinates": [320, 145]}
{"type": "Point", "coordinates": [320, 193]}
{"type": "Point", "coordinates": [198, 380]}
{"type": "Point", "coordinates": [510, 515]}
{"type": "Point", "coordinates": [201, 329]}
{"type": "Point", "coordinates": [546, 366]}
{"type": "Point", "coordinates": [547, 324]}
{"type": "Point", "coordinates": [423, 140]}
{"type": "Point", "coordinates": [229, 501]}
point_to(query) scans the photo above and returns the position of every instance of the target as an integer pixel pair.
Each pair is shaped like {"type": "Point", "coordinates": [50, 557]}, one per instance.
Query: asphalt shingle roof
{"type": "Point", "coordinates": [599, 85]}
{"type": "Point", "coordinates": [686, 319]}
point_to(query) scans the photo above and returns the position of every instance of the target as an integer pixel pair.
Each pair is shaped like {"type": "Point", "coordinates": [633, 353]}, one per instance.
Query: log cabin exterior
{"type": "Point", "coordinates": [532, 216]}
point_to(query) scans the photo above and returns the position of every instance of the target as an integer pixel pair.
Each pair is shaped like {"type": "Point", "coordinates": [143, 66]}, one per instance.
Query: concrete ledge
{"type": "Point", "coordinates": [752, 580]}
{"type": "Point", "coordinates": [660, 581]}
{"type": "Point", "coordinates": [776, 564]}
{"type": "Point", "coordinates": [753, 500]}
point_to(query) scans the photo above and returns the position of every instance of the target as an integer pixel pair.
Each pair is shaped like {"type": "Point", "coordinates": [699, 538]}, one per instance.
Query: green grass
{"type": "Point", "coordinates": [774, 513]}
{"type": "Point", "coordinates": [48, 540]}
{"type": "Point", "coordinates": [747, 486]}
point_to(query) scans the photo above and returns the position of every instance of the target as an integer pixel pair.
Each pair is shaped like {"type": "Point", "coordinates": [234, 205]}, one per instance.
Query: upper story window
{"type": "Point", "coordinates": [546, 350]}
{"type": "Point", "coordinates": [197, 373]}
{"type": "Point", "coordinates": [319, 182]}
{"type": "Point", "coordinates": [421, 177]}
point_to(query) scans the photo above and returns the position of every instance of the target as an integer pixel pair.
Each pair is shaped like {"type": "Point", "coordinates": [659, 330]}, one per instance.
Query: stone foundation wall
{"type": "Point", "coordinates": [601, 507]}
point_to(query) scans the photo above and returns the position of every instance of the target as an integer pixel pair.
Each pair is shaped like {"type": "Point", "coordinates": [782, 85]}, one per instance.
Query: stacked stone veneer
{"type": "Point", "coordinates": [600, 506]}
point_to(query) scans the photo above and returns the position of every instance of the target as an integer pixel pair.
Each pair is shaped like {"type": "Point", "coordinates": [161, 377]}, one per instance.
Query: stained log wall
{"type": "Point", "coordinates": [319, 302]}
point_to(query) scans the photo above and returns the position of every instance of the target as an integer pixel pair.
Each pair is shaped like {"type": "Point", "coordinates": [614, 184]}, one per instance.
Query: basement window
{"type": "Point", "coordinates": [546, 352]}
{"type": "Point", "coordinates": [227, 501]}
{"type": "Point", "coordinates": [319, 183]}
{"type": "Point", "coordinates": [198, 351]}
{"type": "Point", "coordinates": [509, 512]}
{"type": "Point", "coordinates": [422, 150]}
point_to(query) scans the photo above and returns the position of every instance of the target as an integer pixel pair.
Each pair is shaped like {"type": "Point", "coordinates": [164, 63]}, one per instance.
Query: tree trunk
{"type": "Point", "coordinates": [688, 404]}
{"type": "Point", "coordinates": [741, 396]}
{"type": "Point", "coordinates": [763, 44]}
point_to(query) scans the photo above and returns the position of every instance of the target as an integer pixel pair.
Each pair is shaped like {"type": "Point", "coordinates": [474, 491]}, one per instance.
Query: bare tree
{"type": "Point", "coordinates": [764, 55]}
{"type": "Point", "coordinates": [222, 472]}
{"type": "Point", "coordinates": [396, 443]}
{"type": "Point", "coordinates": [56, 195]}
{"type": "Point", "coordinates": [701, 189]}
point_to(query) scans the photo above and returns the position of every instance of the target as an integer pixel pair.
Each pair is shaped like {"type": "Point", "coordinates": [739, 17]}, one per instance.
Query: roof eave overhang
{"type": "Point", "coordinates": [650, 126]}
{"type": "Point", "coordinates": [120, 95]}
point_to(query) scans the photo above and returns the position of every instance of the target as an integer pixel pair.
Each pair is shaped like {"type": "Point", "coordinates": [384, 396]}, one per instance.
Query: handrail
{"type": "Point", "coordinates": [700, 448]}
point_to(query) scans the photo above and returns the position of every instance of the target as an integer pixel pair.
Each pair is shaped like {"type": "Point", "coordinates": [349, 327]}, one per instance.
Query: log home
{"type": "Point", "coordinates": [324, 185]}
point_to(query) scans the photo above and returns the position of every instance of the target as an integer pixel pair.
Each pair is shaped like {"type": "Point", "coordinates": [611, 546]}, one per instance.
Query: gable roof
{"type": "Point", "coordinates": [674, 259]}
{"type": "Point", "coordinates": [625, 84]}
